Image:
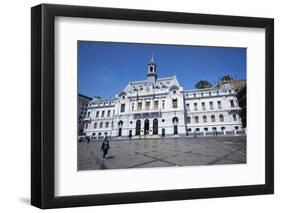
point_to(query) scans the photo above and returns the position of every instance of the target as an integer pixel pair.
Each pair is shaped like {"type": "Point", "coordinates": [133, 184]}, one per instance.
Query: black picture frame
{"type": "Point", "coordinates": [43, 102]}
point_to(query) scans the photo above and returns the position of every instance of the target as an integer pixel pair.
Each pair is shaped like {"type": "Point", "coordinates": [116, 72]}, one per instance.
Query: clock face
{"type": "Point", "coordinates": [147, 89]}
{"type": "Point", "coordinates": [225, 87]}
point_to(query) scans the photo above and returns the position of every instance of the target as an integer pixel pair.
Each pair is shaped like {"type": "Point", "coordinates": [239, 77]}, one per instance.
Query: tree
{"type": "Point", "coordinates": [203, 84]}
{"type": "Point", "coordinates": [226, 78]}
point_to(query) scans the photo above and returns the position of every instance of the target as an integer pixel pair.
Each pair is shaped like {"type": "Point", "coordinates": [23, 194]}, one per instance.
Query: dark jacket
{"type": "Point", "coordinates": [105, 145]}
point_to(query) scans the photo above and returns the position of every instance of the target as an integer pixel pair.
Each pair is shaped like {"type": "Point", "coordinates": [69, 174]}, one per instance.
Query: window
{"type": "Point", "coordinates": [156, 104]}
{"type": "Point", "coordinates": [95, 125]}
{"type": "Point", "coordinates": [202, 94]}
{"type": "Point", "coordinates": [147, 105]}
{"type": "Point", "coordinates": [163, 104]}
{"type": "Point", "coordinates": [205, 119]}
{"type": "Point", "coordinates": [133, 107]}
{"type": "Point", "coordinates": [206, 129]}
{"type": "Point", "coordinates": [213, 119]}
{"type": "Point", "coordinates": [88, 114]}
{"type": "Point", "coordinates": [197, 129]}
{"type": "Point", "coordinates": [97, 114]}
{"type": "Point", "coordinates": [106, 125]}
{"type": "Point", "coordinates": [196, 119]}
{"type": "Point", "coordinates": [234, 117]}
{"type": "Point", "coordinates": [211, 105]}
{"type": "Point", "coordinates": [101, 124]}
{"type": "Point", "coordinates": [219, 105]}
{"type": "Point", "coordinates": [175, 103]}
{"type": "Point", "coordinates": [139, 105]}
{"type": "Point", "coordinates": [174, 92]}
{"type": "Point", "coordinates": [203, 106]}
{"type": "Point", "coordinates": [231, 103]}
{"type": "Point", "coordinates": [210, 94]}
{"type": "Point", "coordinates": [195, 107]}
{"type": "Point", "coordinates": [86, 126]}
{"type": "Point", "coordinates": [187, 107]}
{"type": "Point", "coordinates": [188, 120]}
{"type": "Point", "coordinates": [194, 95]}
{"type": "Point", "coordinates": [108, 113]}
{"type": "Point", "coordinates": [102, 114]}
{"type": "Point", "coordinates": [122, 108]}
{"type": "Point", "coordinates": [221, 118]}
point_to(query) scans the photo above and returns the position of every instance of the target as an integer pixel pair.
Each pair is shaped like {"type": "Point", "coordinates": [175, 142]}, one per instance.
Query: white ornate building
{"type": "Point", "coordinates": [160, 107]}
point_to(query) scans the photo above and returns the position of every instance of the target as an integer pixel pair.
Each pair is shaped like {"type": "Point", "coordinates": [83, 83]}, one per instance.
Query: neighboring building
{"type": "Point", "coordinates": [160, 107]}
{"type": "Point", "coordinates": [242, 99]}
{"type": "Point", "coordinates": [83, 102]}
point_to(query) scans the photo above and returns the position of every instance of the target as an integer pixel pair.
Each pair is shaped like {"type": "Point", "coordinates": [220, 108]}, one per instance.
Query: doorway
{"type": "Point", "coordinates": [155, 127]}
{"type": "Point", "coordinates": [146, 127]}
{"type": "Point", "coordinates": [138, 127]}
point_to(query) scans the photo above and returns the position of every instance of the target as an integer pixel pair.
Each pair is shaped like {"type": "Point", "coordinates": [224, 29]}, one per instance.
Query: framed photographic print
{"type": "Point", "coordinates": [139, 106]}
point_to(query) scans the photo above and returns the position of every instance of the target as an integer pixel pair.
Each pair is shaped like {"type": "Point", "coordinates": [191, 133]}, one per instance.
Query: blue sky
{"type": "Point", "coordinates": [105, 68]}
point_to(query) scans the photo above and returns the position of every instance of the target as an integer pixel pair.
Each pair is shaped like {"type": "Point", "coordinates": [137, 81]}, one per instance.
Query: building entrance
{"type": "Point", "coordinates": [155, 127]}
{"type": "Point", "coordinates": [146, 127]}
{"type": "Point", "coordinates": [138, 127]}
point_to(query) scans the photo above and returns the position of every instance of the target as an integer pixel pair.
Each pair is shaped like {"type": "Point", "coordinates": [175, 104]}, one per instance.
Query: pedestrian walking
{"type": "Point", "coordinates": [105, 147]}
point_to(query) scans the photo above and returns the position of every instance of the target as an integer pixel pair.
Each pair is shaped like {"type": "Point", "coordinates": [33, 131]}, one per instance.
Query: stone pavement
{"type": "Point", "coordinates": [163, 153]}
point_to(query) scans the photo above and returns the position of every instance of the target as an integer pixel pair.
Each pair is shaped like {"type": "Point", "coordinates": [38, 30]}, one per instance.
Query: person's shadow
{"type": "Point", "coordinates": [102, 163]}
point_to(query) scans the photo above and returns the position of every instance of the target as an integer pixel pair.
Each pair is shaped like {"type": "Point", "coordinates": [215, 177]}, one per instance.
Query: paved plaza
{"type": "Point", "coordinates": [163, 152]}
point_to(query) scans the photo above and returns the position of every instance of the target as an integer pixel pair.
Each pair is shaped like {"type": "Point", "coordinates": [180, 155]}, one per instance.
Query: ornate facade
{"type": "Point", "coordinates": [161, 107]}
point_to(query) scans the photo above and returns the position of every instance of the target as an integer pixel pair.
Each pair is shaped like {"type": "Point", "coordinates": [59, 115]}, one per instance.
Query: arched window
{"type": "Point", "coordinates": [213, 119]}
{"type": "Point", "coordinates": [196, 119]}
{"type": "Point", "coordinates": [175, 120]}
{"type": "Point", "coordinates": [101, 124]}
{"type": "Point", "coordinates": [120, 124]}
{"type": "Point", "coordinates": [106, 125]}
{"type": "Point", "coordinates": [205, 119]}
{"type": "Point", "coordinates": [188, 120]}
{"type": "Point", "coordinates": [95, 125]}
{"type": "Point", "coordinates": [234, 117]}
{"type": "Point", "coordinates": [221, 118]}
